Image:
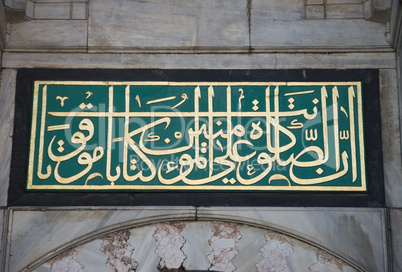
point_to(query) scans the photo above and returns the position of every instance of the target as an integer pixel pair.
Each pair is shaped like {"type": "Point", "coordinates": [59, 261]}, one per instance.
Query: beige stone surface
{"type": "Point", "coordinates": [391, 137]}
{"type": "Point", "coordinates": [79, 11]}
{"type": "Point", "coordinates": [161, 24]}
{"type": "Point", "coordinates": [52, 11]}
{"type": "Point", "coordinates": [316, 34]}
{"type": "Point", "coordinates": [278, 10]}
{"type": "Point", "coordinates": [350, 11]}
{"type": "Point", "coordinates": [48, 35]}
{"type": "Point", "coordinates": [315, 12]}
{"type": "Point", "coordinates": [7, 98]}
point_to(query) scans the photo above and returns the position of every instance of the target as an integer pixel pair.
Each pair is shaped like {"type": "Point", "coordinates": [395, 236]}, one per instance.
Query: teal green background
{"type": "Point", "coordinates": [99, 99]}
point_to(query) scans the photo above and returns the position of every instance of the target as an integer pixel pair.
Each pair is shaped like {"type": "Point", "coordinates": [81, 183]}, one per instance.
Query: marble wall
{"type": "Point", "coordinates": [220, 239]}
{"type": "Point", "coordinates": [226, 247]}
{"type": "Point", "coordinates": [2, 238]}
{"type": "Point", "coordinates": [7, 96]}
{"type": "Point", "coordinates": [212, 34]}
{"type": "Point", "coordinates": [195, 26]}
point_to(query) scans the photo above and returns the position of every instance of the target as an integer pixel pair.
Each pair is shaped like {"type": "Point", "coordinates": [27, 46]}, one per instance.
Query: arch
{"type": "Point", "coordinates": [182, 238]}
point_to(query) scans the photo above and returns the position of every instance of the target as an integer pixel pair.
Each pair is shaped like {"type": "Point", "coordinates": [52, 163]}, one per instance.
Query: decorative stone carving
{"type": "Point", "coordinates": [278, 254]}
{"type": "Point", "coordinates": [120, 252]}
{"type": "Point", "coordinates": [170, 243]}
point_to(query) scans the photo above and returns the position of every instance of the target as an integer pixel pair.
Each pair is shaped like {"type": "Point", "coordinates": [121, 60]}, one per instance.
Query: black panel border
{"type": "Point", "coordinates": [18, 196]}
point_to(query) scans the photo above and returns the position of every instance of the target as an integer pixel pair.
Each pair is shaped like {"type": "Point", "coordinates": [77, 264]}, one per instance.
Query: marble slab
{"type": "Point", "coordinates": [58, 229]}
{"type": "Point", "coordinates": [345, 1]}
{"type": "Point", "coordinates": [7, 98]}
{"type": "Point", "coordinates": [3, 29]}
{"type": "Point", "coordinates": [143, 240]}
{"type": "Point", "coordinates": [48, 35]}
{"type": "Point", "coordinates": [89, 257]}
{"type": "Point", "coordinates": [278, 10]}
{"type": "Point", "coordinates": [315, 2]}
{"type": "Point", "coordinates": [1, 236]}
{"type": "Point", "coordinates": [396, 233]}
{"type": "Point", "coordinates": [161, 24]}
{"type": "Point", "coordinates": [381, 4]}
{"type": "Point", "coordinates": [249, 249]}
{"type": "Point", "coordinates": [391, 137]}
{"type": "Point", "coordinates": [356, 234]}
{"type": "Point", "coordinates": [351, 11]}
{"type": "Point", "coordinates": [315, 12]}
{"type": "Point", "coordinates": [15, 4]}
{"type": "Point", "coordinates": [201, 61]}
{"type": "Point", "coordinates": [79, 11]}
{"type": "Point", "coordinates": [30, 9]}
{"type": "Point", "coordinates": [208, 246]}
{"type": "Point", "coordinates": [334, 61]}
{"type": "Point", "coordinates": [52, 11]}
{"type": "Point", "coordinates": [195, 233]}
{"type": "Point", "coordinates": [266, 33]}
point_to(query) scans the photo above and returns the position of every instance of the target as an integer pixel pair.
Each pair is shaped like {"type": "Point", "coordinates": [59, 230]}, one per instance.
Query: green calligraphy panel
{"type": "Point", "coordinates": [247, 136]}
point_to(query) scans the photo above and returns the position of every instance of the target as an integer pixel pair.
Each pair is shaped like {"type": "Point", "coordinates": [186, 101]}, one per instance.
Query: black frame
{"type": "Point", "coordinates": [374, 197]}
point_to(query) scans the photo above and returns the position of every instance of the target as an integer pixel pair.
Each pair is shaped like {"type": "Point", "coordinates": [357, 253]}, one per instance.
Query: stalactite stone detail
{"type": "Point", "coordinates": [170, 241]}
{"type": "Point", "coordinates": [120, 252]}
{"type": "Point", "coordinates": [223, 245]}
{"type": "Point", "coordinates": [66, 262]}
{"type": "Point", "coordinates": [274, 252]}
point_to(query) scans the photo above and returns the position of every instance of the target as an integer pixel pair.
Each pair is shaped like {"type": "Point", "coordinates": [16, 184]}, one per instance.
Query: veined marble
{"type": "Point", "coordinates": [354, 236]}
{"type": "Point", "coordinates": [341, 230]}
{"type": "Point", "coordinates": [391, 137]}
{"type": "Point", "coordinates": [118, 251]}
{"type": "Point", "coordinates": [7, 98]}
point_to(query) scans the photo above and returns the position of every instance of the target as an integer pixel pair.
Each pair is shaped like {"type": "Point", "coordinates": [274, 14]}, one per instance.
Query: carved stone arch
{"type": "Point", "coordinates": [224, 245]}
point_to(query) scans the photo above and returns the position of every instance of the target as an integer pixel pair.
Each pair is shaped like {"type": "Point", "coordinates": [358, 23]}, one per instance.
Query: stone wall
{"type": "Point", "coordinates": [240, 34]}
{"type": "Point", "coordinates": [356, 237]}
{"type": "Point", "coordinates": [218, 246]}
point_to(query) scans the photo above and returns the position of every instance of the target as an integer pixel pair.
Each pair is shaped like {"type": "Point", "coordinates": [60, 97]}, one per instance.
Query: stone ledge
{"type": "Point", "coordinates": [201, 61]}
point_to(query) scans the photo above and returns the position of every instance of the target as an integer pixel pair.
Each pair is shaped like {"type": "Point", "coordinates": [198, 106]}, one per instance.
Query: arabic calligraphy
{"type": "Point", "coordinates": [197, 135]}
